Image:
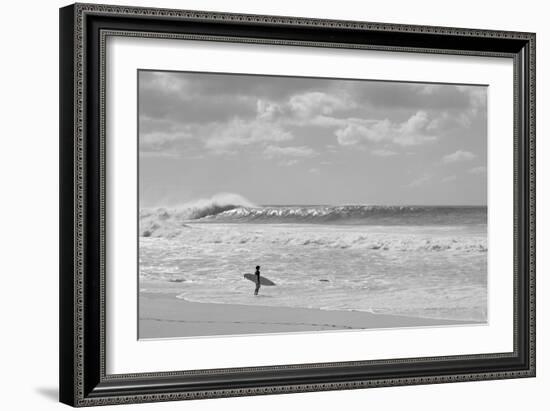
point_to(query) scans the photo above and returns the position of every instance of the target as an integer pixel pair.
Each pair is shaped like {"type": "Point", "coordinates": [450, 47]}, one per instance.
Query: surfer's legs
{"type": "Point", "coordinates": [257, 289]}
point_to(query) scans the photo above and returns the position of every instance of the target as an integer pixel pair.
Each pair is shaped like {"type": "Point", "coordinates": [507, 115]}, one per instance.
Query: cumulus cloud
{"type": "Point", "coordinates": [478, 170]}
{"type": "Point", "coordinates": [268, 110]}
{"type": "Point", "coordinates": [357, 131]}
{"type": "Point", "coordinates": [289, 151]}
{"type": "Point", "coordinates": [474, 105]}
{"type": "Point", "coordinates": [287, 162]}
{"type": "Point", "coordinates": [313, 103]}
{"type": "Point", "coordinates": [420, 181]}
{"type": "Point", "coordinates": [448, 179]}
{"type": "Point", "coordinates": [160, 154]}
{"type": "Point", "coordinates": [240, 132]}
{"type": "Point", "coordinates": [458, 156]}
{"type": "Point", "coordinates": [307, 108]}
{"type": "Point", "coordinates": [162, 81]}
{"type": "Point", "coordinates": [413, 131]}
{"type": "Point", "coordinates": [161, 144]}
{"type": "Point", "coordinates": [382, 152]}
{"type": "Point", "coordinates": [290, 120]}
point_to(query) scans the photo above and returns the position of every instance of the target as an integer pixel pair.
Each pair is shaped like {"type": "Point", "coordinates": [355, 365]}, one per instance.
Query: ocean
{"type": "Point", "coordinates": [419, 261]}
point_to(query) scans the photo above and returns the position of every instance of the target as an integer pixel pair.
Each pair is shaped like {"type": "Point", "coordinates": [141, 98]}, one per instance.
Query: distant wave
{"type": "Point", "coordinates": [235, 209]}
{"type": "Point", "coordinates": [353, 214]}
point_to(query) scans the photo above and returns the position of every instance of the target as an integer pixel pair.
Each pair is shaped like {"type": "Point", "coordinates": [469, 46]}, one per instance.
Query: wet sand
{"type": "Point", "coordinates": [165, 316]}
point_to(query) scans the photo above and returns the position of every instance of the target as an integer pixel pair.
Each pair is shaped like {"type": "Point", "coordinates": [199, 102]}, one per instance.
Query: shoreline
{"type": "Point", "coordinates": [164, 316]}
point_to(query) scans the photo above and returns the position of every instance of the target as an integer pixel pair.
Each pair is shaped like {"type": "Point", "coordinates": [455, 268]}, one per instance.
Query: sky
{"type": "Point", "coordinates": [278, 140]}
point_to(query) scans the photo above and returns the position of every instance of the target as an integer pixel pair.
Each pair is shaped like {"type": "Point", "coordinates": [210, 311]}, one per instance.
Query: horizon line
{"type": "Point", "coordinates": [333, 205]}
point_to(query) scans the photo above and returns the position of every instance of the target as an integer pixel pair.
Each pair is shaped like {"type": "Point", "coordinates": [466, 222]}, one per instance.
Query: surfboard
{"type": "Point", "coordinates": [263, 280]}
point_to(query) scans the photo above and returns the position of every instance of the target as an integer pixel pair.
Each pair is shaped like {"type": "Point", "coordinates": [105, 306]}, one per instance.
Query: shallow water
{"type": "Point", "coordinates": [432, 271]}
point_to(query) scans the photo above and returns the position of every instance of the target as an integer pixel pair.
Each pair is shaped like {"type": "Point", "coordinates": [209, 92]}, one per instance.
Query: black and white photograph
{"type": "Point", "coordinates": [279, 204]}
{"type": "Point", "coordinates": [255, 200]}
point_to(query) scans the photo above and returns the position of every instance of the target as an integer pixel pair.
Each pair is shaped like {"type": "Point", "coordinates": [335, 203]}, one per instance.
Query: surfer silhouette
{"type": "Point", "coordinates": [257, 274]}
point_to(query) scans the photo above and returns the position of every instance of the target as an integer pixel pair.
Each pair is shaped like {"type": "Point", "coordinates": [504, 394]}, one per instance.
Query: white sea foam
{"type": "Point", "coordinates": [425, 271]}
{"type": "Point", "coordinates": [235, 209]}
{"type": "Point", "coordinates": [171, 221]}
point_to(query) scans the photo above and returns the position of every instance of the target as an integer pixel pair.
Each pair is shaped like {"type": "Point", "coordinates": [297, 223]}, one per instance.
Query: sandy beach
{"type": "Point", "coordinates": [165, 316]}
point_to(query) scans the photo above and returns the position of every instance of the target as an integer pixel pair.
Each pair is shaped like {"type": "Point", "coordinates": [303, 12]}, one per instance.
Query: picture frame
{"type": "Point", "coordinates": [84, 222]}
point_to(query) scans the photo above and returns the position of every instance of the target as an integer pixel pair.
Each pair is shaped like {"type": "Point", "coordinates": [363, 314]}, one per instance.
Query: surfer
{"type": "Point", "coordinates": [257, 274]}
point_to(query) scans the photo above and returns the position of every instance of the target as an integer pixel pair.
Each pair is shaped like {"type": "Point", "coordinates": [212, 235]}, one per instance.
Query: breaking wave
{"type": "Point", "coordinates": [169, 221]}
{"type": "Point", "coordinates": [234, 209]}
{"type": "Point", "coordinates": [354, 214]}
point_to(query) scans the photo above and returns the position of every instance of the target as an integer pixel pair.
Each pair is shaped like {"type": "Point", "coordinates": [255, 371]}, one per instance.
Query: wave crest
{"type": "Point", "coordinates": [354, 214]}
{"type": "Point", "coordinates": [233, 208]}
{"type": "Point", "coordinates": [170, 221]}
